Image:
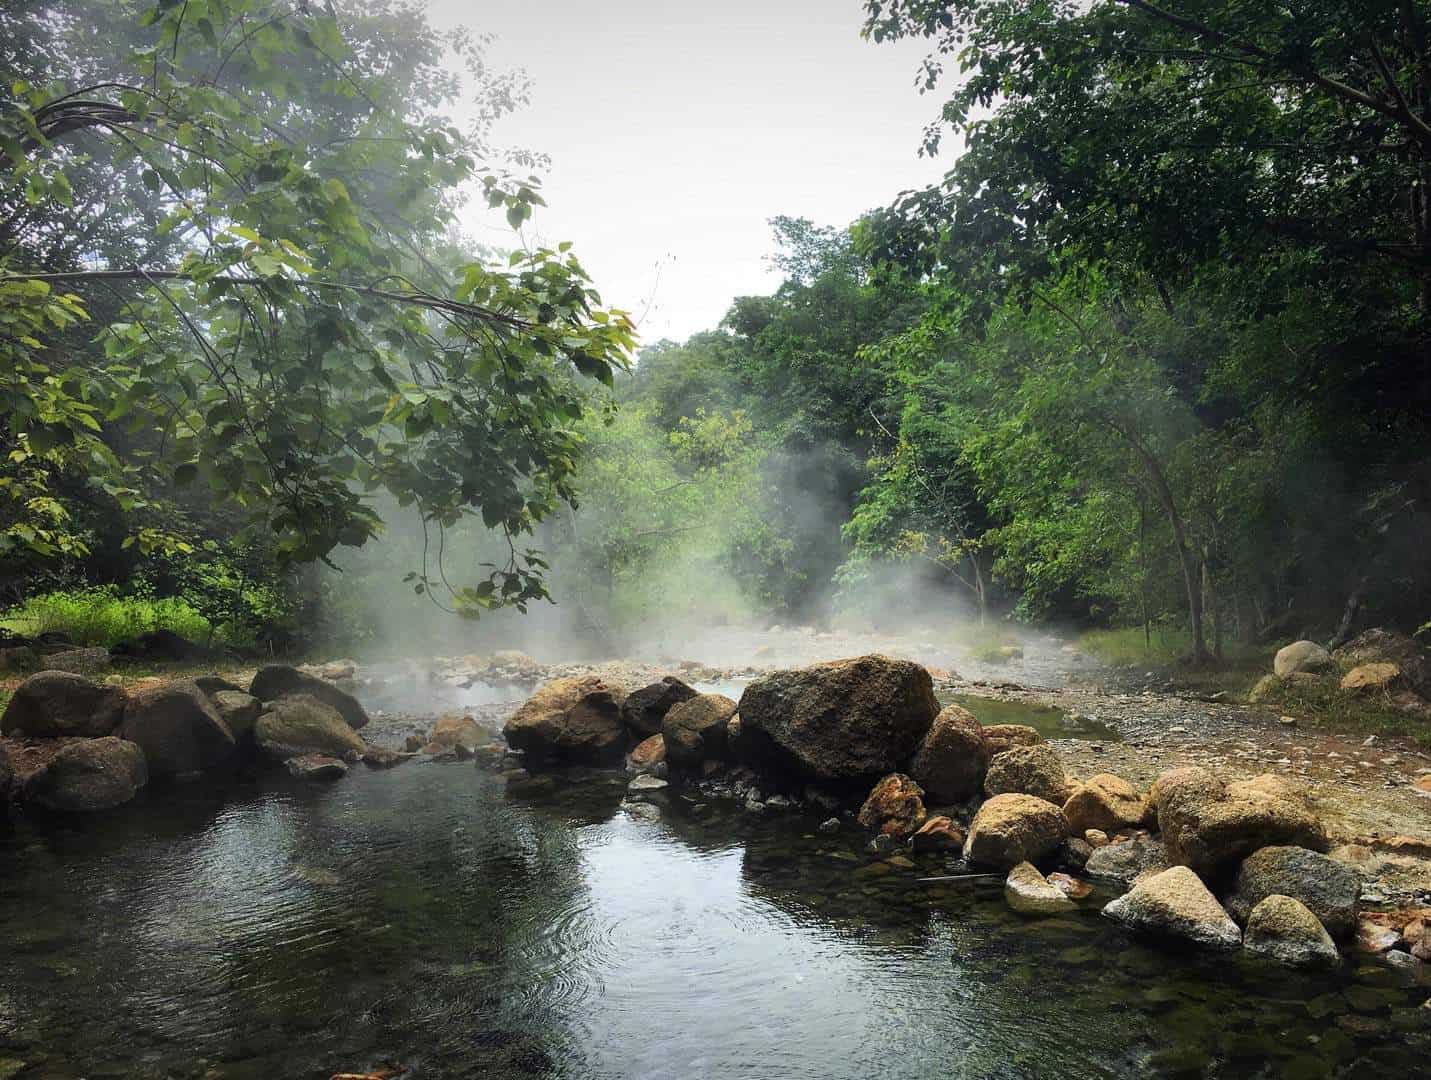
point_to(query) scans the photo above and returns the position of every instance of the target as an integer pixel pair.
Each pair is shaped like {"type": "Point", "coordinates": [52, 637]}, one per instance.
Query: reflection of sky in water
{"type": "Point", "coordinates": [425, 916]}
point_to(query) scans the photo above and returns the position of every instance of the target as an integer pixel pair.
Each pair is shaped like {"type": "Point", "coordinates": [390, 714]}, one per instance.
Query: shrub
{"type": "Point", "coordinates": [100, 616]}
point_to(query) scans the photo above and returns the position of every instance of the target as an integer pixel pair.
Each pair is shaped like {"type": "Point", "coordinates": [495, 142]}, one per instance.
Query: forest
{"type": "Point", "coordinates": [1153, 356]}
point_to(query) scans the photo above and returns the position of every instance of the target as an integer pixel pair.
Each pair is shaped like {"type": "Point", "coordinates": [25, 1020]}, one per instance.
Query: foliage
{"type": "Point", "coordinates": [304, 338]}
{"type": "Point", "coordinates": [102, 617]}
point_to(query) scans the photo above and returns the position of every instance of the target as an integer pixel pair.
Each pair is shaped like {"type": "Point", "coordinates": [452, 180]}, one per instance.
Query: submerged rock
{"type": "Point", "coordinates": [1029, 893]}
{"type": "Point", "coordinates": [1104, 802]}
{"type": "Point", "coordinates": [1282, 929]}
{"type": "Point", "coordinates": [1126, 861]}
{"type": "Point", "coordinates": [1176, 903]}
{"type": "Point", "coordinates": [56, 704]}
{"type": "Point", "coordinates": [277, 681]}
{"type": "Point", "coordinates": [178, 730]}
{"type": "Point", "coordinates": [1209, 825]}
{"type": "Point", "coordinates": [1328, 888]}
{"type": "Point", "coordinates": [695, 729]}
{"type": "Point", "coordinates": [951, 761]}
{"type": "Point", "coordinates": [576, 720]}
{"type": "Point", "coordinates": [300, 724]}
{"type": "Point", "coordinates": [938, 833]}
{"type": "Point", "coordinates": [1014, 828]}
{"type": "Point", "coordinates": [895, 807]}
{"type": "Point", "coordinates": [87, 775]}
{"type": "Point", "coordinates": [844, 722]}
{"type": "Point", "coordinates": [1301, 656]}
{"type": "Point", "coordinates": [644, 709]}
{"type": "Point", "coordinates": [1028, 770]}
{"type": "Point", "coordinates": [316, 767]}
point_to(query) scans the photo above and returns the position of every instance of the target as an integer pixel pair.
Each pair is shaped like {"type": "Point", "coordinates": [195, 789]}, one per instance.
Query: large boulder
{"type": "Point", "coordinates": [301, 724]}
{"type": "Point", "coordinates": [576, 719]}
{"type": "Point", "coordinates": [1282, 929]}
{"type": "Point", "coordinates": [1126, 861]}
{"type": "Point", "coordinates": [1001, 737]}
{"type": "Point", "coordinates": [895, 807]}
{"type": "Point", "coordinates": [695, 729]}
{"type": "Point", "coordinates": [1176, 903]}
{"type": "Point", "coordinates": [1028, 770]}
{"type": "Point", "coordinates": [843, 723]}
{"type": "Point", "coordinates": [87, 775]}
{"type": "Point", "coordinates": [236, 709]}
{"type": "Point", "coordinates": [56, 704]}
{"type": "Point", "coordinates": [1301, 656]}
{"type": "Point", "coordinates": [1331, 890]}
{"type": "Point", "coordinates": [1010, 829]}
{"type": "Point", "coordinates": [951, 761]}
{"type": "Point", "coordinates": [1210, 826]}
{"type": "Point", "coordinates": [178, 730]}
{"type": "Point", "coordinates": [77, 661]}
{"type": "Point", "coordinates": [1104, 802]}
{"type": "Point", "coordinates": [1030, 893]}
{"type": "Point", "coordinates": [644, 709]}
{"type": "Point", "coordinates": [1379, 646]}
{"type": "Point", "coordinates": [279, 681]}
{"type": "Point", "coordinates": [1376, 678]}
{"type": "Point", "coordinates": [453, 731]}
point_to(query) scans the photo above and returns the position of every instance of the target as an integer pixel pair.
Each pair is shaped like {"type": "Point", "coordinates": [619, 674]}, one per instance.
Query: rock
{"type": "Point", "coordinates": [1074, 853]}
{"type": "Point", "coordinates": [333, 670]}
{"type": "Point", "coordinates": [1416, 937]}
{"type": "Point", "coordinates": [458, 731]}
{"type": "Point", "coordinates": [695, 729]}
{"type": "Point", "coordinates": [56, 704]}
{"type": "Point", "coordinates": [87, 775]}
{"type": "Point", "coordinates": [1209, 825]}
{"type": "Point", "coordinates": [1374, 938]}
{"type": "Point", "coordinates": [178, 729]}
{"type": "Point", "coordinates": [644, 709]}
{"type": "Point", "coordinates": [1372, 678]}
{"type": "Point", "coordinates": [895, 807]}
{"type": "Point", "coordinates": [78, 661]}
{"type": "Point", "coordinates": [1176, 903]}
{"type": "Point", "coordinates": [7, 776]}
{"type": "Point", "coordinates": [1105, 802]}
{"type": "Point", "coordinates": [938, 833]}
{"type": "Point", "coordinates": [380, 757]}
{"type": "Point", "coordinates": [1028, 770]}
{"type": "Point", "coordinates": [1096, 838]}
{"type": "Point", "coordinates": [1282, 929]}
{"type": "Point", "coordinates": [1014, 828]}
{"type": "Point", "coordinates": [1301, 656]}
{"type": "Point", "coordinates": [238, 710]}
{"type": "Point", "coordinates": [160, 644]}
{"type": "Point", "coordinates": [846, 722]}
{"type": "Point", "coordinates": [316, 767]}
{"type": "Point", "coordinates": [647, 754]}
{"type": "Point", "coordinates": [1326, 887]}
{"type": "Point", "coordinates": [1029, 893]}
{"type": "Point", "coordinates": [1071, 887]}
{"type": "Point", "coordinates": [302, 724]}
{"type": "Point", "coordinates": [647, 784]}
{"type": "Point", "coordinates": [18, 658]}
{"type": "Point", "coordinates": [1127, 861]}
{"type": "Point", "coordinates": [1001, 737]}
{"type": "Point", "coordinates": [951, 761]}
{"type": "Point", "coordinates": [830, 825]}
{"type": "Point", "coordinates": [1380, 646]}
{"type": "Point", "coordinates": [279, 681]}
{"type": "Point", "coordinates": [576, 719]}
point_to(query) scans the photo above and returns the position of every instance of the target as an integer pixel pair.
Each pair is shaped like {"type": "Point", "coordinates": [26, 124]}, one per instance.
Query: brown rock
{"type": "Point", "coordinates": [645, 708]}
{"type": "Point", "coordinates": [177, 728]}
{"type": "Point", "coordinates": [1001, 737]}
{"type": "Point", "coordinates": [576, 719]}
{"type": "Point", "coordinates": [1372, 678]}
{"type": "Point", "coordinates": [456, 731]}
{"type": "Point", "coordinates": [695, 729]}
{"type": "Point", "coordinates": [895, 807]}
{"type": "Point", "coordinates": [56, 704]}
{"type": "Point", "coordinates": [1070, 886]}
{"type": "Point", "coordinates": [1014, 828]}
{"type": "Point", "coordinates": [938, 834]}
{"type": "Point", "coordinates": [299, 724]}
{"type": "Point", "coordinates": [1028, 770]}
{"type": "Point", "coordinates": [647, 753]}
{"type": "Point", "coordinates": [86, 775]}
{"type": "Point", "coordinates": [1104, 802]}
{"type": "Point", "coordinates": [279, 681]}
{"type": "Point", "coordinates": [316, 767]}
{"type": "Point", "coordinates": [951, 761]}
{"type": "Point", "coordinates": [1096, 838]}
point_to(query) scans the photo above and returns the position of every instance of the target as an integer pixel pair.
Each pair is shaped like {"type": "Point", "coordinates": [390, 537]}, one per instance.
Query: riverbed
{"type": "Point", "coordinates": [436, 918]}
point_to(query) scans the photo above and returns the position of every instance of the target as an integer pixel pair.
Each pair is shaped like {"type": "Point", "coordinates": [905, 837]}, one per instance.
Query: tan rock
{"type": "Point", "coordinates": [938, 834]}
{"type": "Point", "coordinates": [1029, 893]}
{"type": "Point", "coordinates": [1014, 828]}
{"type": "Point", "coordinates": [1028, 770]}
{"type": "Point", "coordinates": [1301, 656]}
{"type": "Point", "coordinates": [951, 761]}
{"type": "Point", "coordinates": [695, 729]}
{"type": "Point", "coordinates": [576, 719]}
{"type": "Point", "coordinates": [1104, 802]}
{"type": "Point", "coordinates": [1283, 929]}
{"type": "Point", "coordinates": [1176, 903]}
{"type": "Point", "coordinates": [1372, 678]}
{"type": "Point", "coordinates": [1001, 737]}
{"type": "Point", "coordinates": [1096, 838]}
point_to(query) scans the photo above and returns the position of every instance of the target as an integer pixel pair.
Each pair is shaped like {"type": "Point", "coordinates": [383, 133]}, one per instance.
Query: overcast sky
{"type": "Point", "coordinates": [676, 129]}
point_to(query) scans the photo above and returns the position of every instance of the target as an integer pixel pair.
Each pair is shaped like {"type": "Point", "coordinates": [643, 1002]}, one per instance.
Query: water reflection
{"type": "Point", "coordinates": [432, 917]}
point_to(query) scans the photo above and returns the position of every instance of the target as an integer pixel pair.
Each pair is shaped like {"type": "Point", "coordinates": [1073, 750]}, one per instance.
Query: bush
{"type": "Point", "coordinates": [100, 616]}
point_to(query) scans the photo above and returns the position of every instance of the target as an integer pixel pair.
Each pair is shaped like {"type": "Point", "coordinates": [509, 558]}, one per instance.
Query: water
{"type": "Point", "coordinates": [1048, 720]}
{"type": "Point", "coordinates": [431, 917]}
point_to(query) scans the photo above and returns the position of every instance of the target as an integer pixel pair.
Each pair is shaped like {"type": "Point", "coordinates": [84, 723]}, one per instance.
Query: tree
{"type": "Point", "coordinates": [301, 338]}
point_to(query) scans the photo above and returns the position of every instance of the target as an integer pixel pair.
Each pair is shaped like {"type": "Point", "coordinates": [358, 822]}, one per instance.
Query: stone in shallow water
{"type": "Point", "coordinates": [938, 834]}
{"type": "Point", "coordinates": [647, 784]}
{"type": "Point", "coordinates": [1283, 929]}
{"type": "Point", "coordinates": [1014, 828]}
{"type": "Point", "coordinates": [316, 767]}
{"type": "Point", "coordinates": [1328, 888]}
{"type": "Point", "coordinates": [1176, 903]}
{"type": "Point", "coordinates": [1126, 860]}
{"type": "Point", "coordinates": [1029, 893]}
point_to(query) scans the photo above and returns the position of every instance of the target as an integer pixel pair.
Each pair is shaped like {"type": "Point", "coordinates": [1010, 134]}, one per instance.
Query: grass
{"type": "Point", "coordinates": [1325, 704]}
{"type": "Point", "coordinates": [100, 616]}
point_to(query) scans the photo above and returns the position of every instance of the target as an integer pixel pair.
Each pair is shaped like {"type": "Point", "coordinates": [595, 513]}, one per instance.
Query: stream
{"type": "Point", "coordinates": [438, 919]}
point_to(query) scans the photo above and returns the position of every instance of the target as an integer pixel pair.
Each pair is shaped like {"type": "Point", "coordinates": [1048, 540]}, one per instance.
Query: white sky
{"type": "Point", "coordinates": [677, 129]}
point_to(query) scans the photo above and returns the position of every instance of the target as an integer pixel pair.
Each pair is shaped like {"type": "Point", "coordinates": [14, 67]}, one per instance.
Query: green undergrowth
{"type": "Point", "coordinates": [1325, 705]}
{"type": "Point", "coordinates": [103, 617]}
